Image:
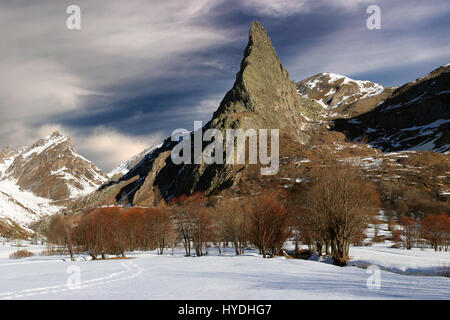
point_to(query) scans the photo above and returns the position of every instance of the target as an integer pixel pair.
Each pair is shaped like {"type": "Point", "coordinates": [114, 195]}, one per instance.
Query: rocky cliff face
{"type": "Point", "coordinates": [415, 116]}
{"type": "Point", "coordinates": [263, 96]}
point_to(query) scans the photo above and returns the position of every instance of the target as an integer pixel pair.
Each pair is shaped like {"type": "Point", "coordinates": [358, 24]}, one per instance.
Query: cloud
{"type": "Point", "coordinates": [403, 40]}
{"type": "Point", "coordinates": [139, 69]}
{"type": "Point", "coordinates": [412, 32]}
{"type": "Point", "coordinates": [50, 73]}
{"type": "Point", "coordinates": [407, 17]}
{"type": "Point", "coordinates": [38, 88]}
{"type": "Point", "coordinates": [106, 147]}
{"type": "Point", "coordinates": [280, 8]}
{"type": "Point", "coordinates": [352, 53]}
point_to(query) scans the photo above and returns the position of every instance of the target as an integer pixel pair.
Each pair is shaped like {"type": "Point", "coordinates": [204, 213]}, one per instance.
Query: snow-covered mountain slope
{"type": "Point", "coordinates": [37, 181]}
{"type": "Point", "coordinates": [23, 206]}
{"type": "Point", "coordinates": [340, 95]}
{"type": "Point", "coordinates": [416, 116]}
{"type": "Point", "coordinates": [123, 168]}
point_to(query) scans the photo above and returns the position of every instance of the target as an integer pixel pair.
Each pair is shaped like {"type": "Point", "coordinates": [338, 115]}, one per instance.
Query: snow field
{"type": "Point", "coordinates": [149, 276]}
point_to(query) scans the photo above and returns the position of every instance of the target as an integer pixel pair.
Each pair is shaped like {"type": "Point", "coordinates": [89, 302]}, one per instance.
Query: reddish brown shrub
{"type": "Point", "coordinates": [436, 229]}
{"type": "Point", "coordinates": [19, 254]}
{"type": "Point", "coordinates": [269, 223]}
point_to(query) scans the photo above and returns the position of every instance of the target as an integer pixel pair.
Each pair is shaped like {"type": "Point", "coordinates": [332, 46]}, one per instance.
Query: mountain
{"type": "Point", "coordinates": [41, 179]}
{"type": "Point", "coordinates": [126, 166]}
{"type": "Point", "coordinates": [263, 96]}
{"type": "Point", "coordinates": [341, 96]}
{"type": "Point", "coordinates": [415, 116]}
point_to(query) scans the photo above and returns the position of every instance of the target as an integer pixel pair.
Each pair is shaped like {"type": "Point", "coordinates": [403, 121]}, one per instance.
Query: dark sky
{"type": "Point", "coordinates": [137, 70]}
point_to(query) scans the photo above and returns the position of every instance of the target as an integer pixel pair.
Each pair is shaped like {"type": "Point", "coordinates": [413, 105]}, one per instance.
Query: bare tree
{"type": "Point", "coordinates": [235, 221]}
{"type": "Point", "coordinates": [268, 223]}
{"type": "Point", "coordinates": [61, 232]}
{"type": "Point", "coordinates": [411, 231]}
{"type": "Point", "coordinates": [340, 204]}
{"type": "Point", "coordinates": [188, 213]}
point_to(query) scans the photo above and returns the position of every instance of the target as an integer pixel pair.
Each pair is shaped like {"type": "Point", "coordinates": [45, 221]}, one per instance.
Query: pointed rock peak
{"type": "Point", "coordinates": [51, 140]}
{"type": "Point", "coordinates": [262, 91]}
{"type": "Point", "coordinates": [259, 45]}
{"type": "Point", "coordinates": [257, 33]}
{"type": "Point", "coordinates": [56, 133]}
{"type": "Point", "coordinates": [57, 136]}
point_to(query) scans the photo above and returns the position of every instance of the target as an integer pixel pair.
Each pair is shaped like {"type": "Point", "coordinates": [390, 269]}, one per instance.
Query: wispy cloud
{"type": "Point", "coordinates": [49, 71]}
{"type": "Point", "coordinates": [403, 40]}
{"type": "Point", "coordinates": [139, 69]}
{"type": "Point", "coordinates": [351, 53]}
{"type": "Point", "coordinates": [105, 146]}
{"type": "Point", "coordinates": [282, 8]}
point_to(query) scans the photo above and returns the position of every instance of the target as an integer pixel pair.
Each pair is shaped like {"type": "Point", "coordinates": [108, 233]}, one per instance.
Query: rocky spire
{"type": "Point", "coordinates": [263, 96]}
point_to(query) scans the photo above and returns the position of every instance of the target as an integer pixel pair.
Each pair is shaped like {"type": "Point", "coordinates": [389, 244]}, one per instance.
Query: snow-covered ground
{"type": "Point", "coordinates": [412, 262]}
{"type": "Point", "coordinates": [149, 276]}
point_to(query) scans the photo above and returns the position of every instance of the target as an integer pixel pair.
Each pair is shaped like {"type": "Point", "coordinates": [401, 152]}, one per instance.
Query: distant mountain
{"type": "Point", "coordinates": [341, 96]}
{"type": "Point", "coordinates": [415, 116]}
{"type": "Point", "coordinates": [39, 180]}
{"type": "Point", "coordinates": [123, 168]}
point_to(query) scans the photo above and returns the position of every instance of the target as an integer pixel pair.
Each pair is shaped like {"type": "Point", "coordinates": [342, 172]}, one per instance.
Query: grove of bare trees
{"type": "Point", "coordinates": [327, 215]}
{"type": "Point", "coordinates": [337, 209]}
